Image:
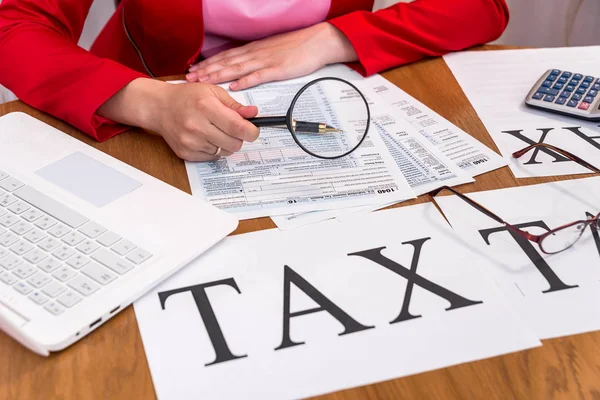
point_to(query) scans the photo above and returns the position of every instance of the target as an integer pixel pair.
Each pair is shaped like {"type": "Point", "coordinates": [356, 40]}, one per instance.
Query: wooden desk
{"type": "Point", "coordinates": [111, 363]}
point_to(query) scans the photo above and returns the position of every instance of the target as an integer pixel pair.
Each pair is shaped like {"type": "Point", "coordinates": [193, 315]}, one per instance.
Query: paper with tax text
{"type": "Point", "coordinates": [497, 82]}
{"type": "Point", "coordinates": [557, 294]}
{"type": "Point", "coordinates": [274, 177]}
{"type": "Point", "coordinates": [292, 314]}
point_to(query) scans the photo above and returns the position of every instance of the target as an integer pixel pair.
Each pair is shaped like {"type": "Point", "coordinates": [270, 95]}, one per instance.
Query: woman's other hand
{"type": "Point", "coordinates": [280, 57]}
{"type": "Point", "coordinates": [194, 119]}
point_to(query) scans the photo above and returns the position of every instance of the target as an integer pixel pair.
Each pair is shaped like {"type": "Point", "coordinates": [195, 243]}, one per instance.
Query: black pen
{"type": "Point", "coordinates": [297, 126]}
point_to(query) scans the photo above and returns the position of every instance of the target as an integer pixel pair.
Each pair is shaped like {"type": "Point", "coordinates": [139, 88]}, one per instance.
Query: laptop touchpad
{"type": "Point", "coordinates": [88, 179]}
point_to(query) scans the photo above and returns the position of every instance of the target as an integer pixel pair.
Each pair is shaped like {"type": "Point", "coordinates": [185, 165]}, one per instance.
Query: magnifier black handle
{"type": "Point", "coordinates": [268, 121]}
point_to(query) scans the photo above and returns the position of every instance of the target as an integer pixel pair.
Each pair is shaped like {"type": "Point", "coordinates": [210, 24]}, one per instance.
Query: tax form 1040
{"type": "Point", "coordinates": [274, 176]}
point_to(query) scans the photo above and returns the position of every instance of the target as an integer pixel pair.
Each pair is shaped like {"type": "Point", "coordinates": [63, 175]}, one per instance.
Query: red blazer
{"type": "Point", "coordinates": [42, 64]}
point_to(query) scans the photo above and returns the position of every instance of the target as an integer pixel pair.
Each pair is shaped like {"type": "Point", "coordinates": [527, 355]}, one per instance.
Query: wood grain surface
{"type": "Point", "coordinates": [110, 363]}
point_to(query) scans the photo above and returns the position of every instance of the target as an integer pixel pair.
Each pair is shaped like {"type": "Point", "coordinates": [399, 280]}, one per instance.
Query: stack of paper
{"type": "Point", "coordinates": [497, 82]}
{"type": "Point", "coordinates": [410, 150]}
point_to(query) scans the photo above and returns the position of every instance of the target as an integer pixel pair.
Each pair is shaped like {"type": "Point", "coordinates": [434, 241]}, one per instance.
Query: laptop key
{"type": "Point", "coordinates": [123, 247]}
{"type": "Point", "coordinates": [99, 273]}
{"type": "Point", "coordinates": [19, 207]}
{"type": "Point", "coordinates": [87, 247]}
{"type": "Point", "coordinates": [49, 264]}
{"type": "Point", "coordinates": [10, 261]}
{"type": "Point", "coordinates": [108, 239]}
{"type": "Point", "coordinates": [35, 236]}
{"type": "Point", "coordinates": [73, 238]}
{"type": "Point", "coordinates": [7, 199]}
{"type": "Point", "coordinates": [112, 261]}
{"type": "Point", "coordinates": [63, 274]}
{"type": "Point", "coordinates": [21, 247]}
{"type": "Point", "coordinates": [83, 285]}
{"type": "Point", "coordinates": [25, 270]}
{"type": "Point", "coordinates": [3, 175]}
{"type": "Point", "coordinates": [69, 299]}
{"type": "Point", "coordinates": [8, 220]}
{"type": "Point", "coordinates": [8, 239]}
{"type": "Point", "coordinates": [32, 215]}
{"type": "Point", "coordinates": [58, 230]}
{"type": "Point", "coordinates": [63, 252]}
{"type": "Point", "coordinates": [53, 289]}
{"type": "Point", "coordinates": [54, 308]}
{"type": "Point", "coordinates": [3, 252]}
{"type": "Point", "coordinates": [138, 256]}
{"type": "Point", "coordinates": [51, 206]}
{"type": "Point", "coordinates": [21, 228]}
{"type": "Point", "coordinates": [92, 230]}
{"type": "Point", "coordinates": [8, 278]}
{"type": "Point", "coordinates": [78, 261]}
{"type": "Point", "coordinates": [22, 288]}
{"type": "Point", "coordinates": [37, 297]}
{"type": "Point", "coordinates": [49, 244]}
{"type": "Point", "coordinates": [35, 256]}
{"type": "Point", "coordinates": [10, 184]}
{"type": "Point", "coordinates": [45, 222]}
{"type": "Point", "coordinates": [38, 280]}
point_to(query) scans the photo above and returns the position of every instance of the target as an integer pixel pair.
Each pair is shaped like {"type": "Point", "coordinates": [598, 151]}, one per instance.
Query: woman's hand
{"type": "Point", "coordinates": [194, 119]}
{"type": "Point", "coordinates": [280, 57]}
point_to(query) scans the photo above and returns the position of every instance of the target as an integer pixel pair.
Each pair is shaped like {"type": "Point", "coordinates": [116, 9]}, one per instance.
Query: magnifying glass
{"type": "Point", "coordinates": [328, 118]}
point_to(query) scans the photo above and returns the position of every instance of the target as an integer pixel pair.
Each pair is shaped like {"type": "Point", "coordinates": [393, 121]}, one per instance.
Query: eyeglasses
{"type": "Point", "coordinates": [328, 118]}
{"type": "Point", "coordinates": [554, 241]}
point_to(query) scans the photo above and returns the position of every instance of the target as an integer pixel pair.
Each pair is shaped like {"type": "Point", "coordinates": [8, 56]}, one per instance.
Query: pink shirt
{"type": "Point", "coordinates": [228, 21]}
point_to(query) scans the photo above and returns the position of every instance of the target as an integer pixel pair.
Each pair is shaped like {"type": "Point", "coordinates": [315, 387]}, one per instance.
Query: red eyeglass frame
{"type": "Point", "coordinates": [531, 237]}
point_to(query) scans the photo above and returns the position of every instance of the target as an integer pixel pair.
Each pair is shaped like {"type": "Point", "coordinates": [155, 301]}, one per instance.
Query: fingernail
{"type": "Point", "coordinates": [191, 76]}
{"type": "Point", "coordinates": [194, 68]}
{"type": "Point", "coordinates": [234, 86]}
{"type": "Point", "coordinates": [203, 78]}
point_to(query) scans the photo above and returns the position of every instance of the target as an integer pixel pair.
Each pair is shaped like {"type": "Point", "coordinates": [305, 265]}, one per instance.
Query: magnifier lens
{"type": "Point", "coordinates": [329, 118]}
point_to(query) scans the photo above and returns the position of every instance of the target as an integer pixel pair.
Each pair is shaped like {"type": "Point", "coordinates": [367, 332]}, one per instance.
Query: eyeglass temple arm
{"type": "Point", "coordinates": [482, 209]}
{"type": "Point", "coordinates": [571, 156]}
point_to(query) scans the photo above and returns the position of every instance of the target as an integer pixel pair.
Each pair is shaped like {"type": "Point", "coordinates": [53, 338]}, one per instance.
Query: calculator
{"type": "Point", "coordinates": [566, 93]}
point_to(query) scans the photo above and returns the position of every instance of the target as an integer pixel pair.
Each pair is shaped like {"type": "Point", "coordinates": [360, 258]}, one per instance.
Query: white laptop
{"type": "Point", "coordinates": [83, 235]}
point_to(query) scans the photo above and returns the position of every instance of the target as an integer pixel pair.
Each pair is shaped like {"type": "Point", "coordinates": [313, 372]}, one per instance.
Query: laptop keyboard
{"type": "Point", "coordinates": [54, 255]}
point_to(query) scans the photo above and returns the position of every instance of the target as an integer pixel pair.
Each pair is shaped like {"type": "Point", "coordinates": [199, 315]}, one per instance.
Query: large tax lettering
{"type": "Point", "coordinates": [350, 325]}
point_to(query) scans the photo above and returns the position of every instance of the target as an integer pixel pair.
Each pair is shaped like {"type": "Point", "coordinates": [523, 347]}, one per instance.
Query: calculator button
{"type": "Point", "coordinates": [570, 88]}
{"type": "Point", "coordinates": [584, 106]}
{"type": "Point", "coordinates": [561, 101]}
{"type": "Point", "coordinates": [593, 93]}
{"type": "Point", "coordinates": [572, 103]}
{"type": "Point", "coordinates": [581, 91]}
{"type": "Point", "coordinates": [549, 98]}
{"type": "Point", "coordinates": [596, 86]}
{"type": "Point", "coordinates": [566, 74]}
{"type": "Point", "coordinates": [588, 99]}
{"type": "Point", "coordinates": [565, 94]}
{"type": "Point", "coordinates": [574, 82]}
{"type": "Point", "coordinates": [552, 77]}
{"type": "Point", "coordinates": [576, 96]}
{"type": "Point", "coordinates": [555, 71]}
{"type": "Point", "coordinates": [588, 79]}
{"type": "Point", "coordinates": [551, 92]}
{"type": "Point", "coordinates": [563, 79]}
{"type": "Point", "coordinates": [538, 96]}
{"type": "Point", "coordinates": [547, 84]}
{"type": "Point", "coordinates": [584, 85]}
{"type": "Point", "coordinates": [577, 76]}
{"type": "Point", "coordinates": [558, 86]}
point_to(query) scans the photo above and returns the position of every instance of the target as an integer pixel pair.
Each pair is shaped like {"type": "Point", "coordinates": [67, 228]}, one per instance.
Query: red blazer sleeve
{"type": "Point", "coordinates": [44, 67]}
{"type": "Point", "coordinates": [407, 32]}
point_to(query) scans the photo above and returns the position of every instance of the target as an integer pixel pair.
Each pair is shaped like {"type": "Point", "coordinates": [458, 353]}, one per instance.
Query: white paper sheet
{"type": "Point", "coordinates": [463, 149]}
{"type": "Point", "coordinates": [350, 342]}
{"type": "Point", "coordinates": [273, 176]}
{"type": "Point", "coordinates": [558, 294]}
{"type": "Point", "coordinates": [496, 83]}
